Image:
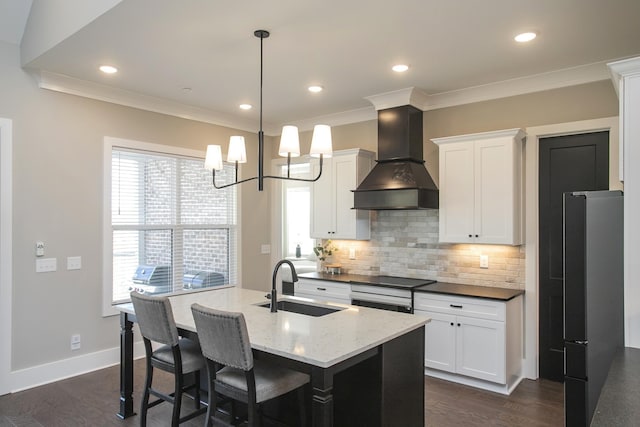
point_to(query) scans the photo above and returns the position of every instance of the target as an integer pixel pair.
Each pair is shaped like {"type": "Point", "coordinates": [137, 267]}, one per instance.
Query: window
{"type": "Point", "coordinates": [168, 224]}
{"type": "Point", "coordinates": [296, 198]}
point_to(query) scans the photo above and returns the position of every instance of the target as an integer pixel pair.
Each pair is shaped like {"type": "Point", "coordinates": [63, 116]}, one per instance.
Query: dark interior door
{"type": "Point", "coordinates": [567, 163]}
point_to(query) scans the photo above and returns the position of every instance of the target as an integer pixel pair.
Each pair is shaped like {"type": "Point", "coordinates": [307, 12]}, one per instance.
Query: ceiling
{"type": "Point", "coordinates": [200, 59]}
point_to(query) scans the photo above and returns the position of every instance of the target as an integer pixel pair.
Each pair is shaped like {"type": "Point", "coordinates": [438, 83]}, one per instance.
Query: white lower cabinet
{"type": "Point", "coordinates": [323, 290]}
{"type": "Point", "coordinates": [473, 341]}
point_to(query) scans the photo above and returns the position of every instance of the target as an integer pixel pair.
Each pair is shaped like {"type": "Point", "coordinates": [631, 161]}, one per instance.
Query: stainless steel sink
{"type": "Point", "coordinates": [300, 308]}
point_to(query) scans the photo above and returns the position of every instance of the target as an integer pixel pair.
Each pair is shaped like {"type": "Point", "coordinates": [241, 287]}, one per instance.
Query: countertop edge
{"type": "Point", "coordinates": [442, 288]}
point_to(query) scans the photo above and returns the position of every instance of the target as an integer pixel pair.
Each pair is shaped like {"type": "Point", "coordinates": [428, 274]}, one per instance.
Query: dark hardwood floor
{"type": "Point", "coordinates": [92, 400]}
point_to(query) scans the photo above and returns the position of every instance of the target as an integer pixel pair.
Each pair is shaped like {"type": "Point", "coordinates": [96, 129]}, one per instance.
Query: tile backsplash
{"type": "Point", "coordinates": [405, 243]}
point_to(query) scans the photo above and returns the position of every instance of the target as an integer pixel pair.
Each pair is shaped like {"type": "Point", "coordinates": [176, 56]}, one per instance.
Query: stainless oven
{"type": "Point", "coordinates": [381, 297]}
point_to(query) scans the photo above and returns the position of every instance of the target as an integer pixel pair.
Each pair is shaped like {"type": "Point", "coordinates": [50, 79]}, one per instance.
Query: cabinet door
{"type": "Point", "coordinates": [495, 204]}
{"type": "Point", "coordinates": [456, 193]}
{"type": "Point", "coordinates": [440, 341]}
{"type": "Point", "coordinates": [322, 205]}
{"type": "Point", "coordinates": [332, 213]}
{"type": "Point", "coordinates": [344, 176]}
{"type": "Point", "coordinates": [480, 349]}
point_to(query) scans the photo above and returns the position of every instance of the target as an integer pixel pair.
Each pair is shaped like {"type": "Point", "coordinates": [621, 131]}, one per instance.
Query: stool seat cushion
{"type": "Point", "coordinates": [271, 380]}
{"type": "Point", "coordinates": [192, 359]}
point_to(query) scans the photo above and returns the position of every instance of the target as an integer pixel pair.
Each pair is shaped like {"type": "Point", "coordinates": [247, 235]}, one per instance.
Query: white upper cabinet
{"type": "Point", "coordinates": [626, 80]}
{"type": "Point", "coordinates": [332, 213]}
{"type": "Point", "coordinates": [481, 187]}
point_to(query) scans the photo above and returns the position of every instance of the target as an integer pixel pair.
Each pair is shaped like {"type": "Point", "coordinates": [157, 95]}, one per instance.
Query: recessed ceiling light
{"type": "Point", "coordinates": [108, 69]}
{"type": "Point", "coordinates": [315, 89]}
{"type": "Point", "coordinates": [400, 68]}
{"type": "Point", "coordinates": [525, 37]}
{"type": "Point", "coordinates": [246, 106]}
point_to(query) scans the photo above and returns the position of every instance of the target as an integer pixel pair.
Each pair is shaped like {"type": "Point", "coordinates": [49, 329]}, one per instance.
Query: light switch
{"type": "Point", "coordinates": [74, 263]}
{"type": "Point", "coordinates": [265, 249]}
{"type": "Point", "coordinates": [352, 253]}
{"type": "Point", "coordinates": [45, 265]}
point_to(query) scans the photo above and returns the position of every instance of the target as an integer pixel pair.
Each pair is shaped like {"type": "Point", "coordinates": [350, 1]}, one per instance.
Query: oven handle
{"type": "Point", "coordinates": [382, 299]}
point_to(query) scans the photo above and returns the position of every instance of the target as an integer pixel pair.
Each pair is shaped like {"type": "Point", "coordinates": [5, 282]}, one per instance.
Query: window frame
{"type": "Point", "coordinates": [277, 211]}
{"type": "Point", "coordinates": [111, 143]}
{"type": "Point", "coordinates": [284, 217]}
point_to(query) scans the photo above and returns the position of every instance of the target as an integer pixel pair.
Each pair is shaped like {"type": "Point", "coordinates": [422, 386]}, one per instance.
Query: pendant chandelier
{"type": "Point", "coordinates": [321, 145]}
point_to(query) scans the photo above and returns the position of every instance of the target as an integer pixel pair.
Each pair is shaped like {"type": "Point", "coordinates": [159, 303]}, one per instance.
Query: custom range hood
{"type": "Point", "coordinates": [399, 179]}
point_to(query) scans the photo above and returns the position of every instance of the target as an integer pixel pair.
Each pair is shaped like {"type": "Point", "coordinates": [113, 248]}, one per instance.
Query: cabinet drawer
{"type": "Point", "coordinates": [323, 289]}
{"type": "Point", "coordinates": [324, 298]}
{"type": "Point", "coordinates": [461, 306]}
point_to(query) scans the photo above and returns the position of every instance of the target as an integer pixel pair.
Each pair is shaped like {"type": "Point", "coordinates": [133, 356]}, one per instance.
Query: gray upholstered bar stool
{"type": "Point", "coordinates": [225, 344]}
{"type": "Point", "coordinates": [179, 356]}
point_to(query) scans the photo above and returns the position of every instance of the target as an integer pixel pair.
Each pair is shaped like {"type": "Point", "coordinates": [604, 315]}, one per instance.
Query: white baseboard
{"type": "Point", "coordinates": [23, 379]}
{"type": "Point", "coordinates": [473, 382]}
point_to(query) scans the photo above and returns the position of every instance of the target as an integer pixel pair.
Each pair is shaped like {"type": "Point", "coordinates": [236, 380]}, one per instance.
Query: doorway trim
{"type": "Point", "coordinates": [6, 282]}
{"type": "Point", "coordinates": [534, 134]}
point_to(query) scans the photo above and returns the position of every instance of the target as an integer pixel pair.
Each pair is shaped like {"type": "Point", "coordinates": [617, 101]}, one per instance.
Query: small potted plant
{"type": "Point", "coordinates": [325, 251]}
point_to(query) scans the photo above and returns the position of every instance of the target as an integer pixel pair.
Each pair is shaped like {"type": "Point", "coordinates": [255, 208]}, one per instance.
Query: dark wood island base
{"type": "Point", "coordinates": [382, 386]}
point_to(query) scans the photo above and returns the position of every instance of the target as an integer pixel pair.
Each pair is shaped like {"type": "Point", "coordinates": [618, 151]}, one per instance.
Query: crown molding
{"type": "Point", "coordinates": [623, 68]}
{"type": "Point", "coordinates": [408, 96]}
{"type": "Point", "coordinates": [73, 86]}
{"type": "Point", "coordinates": [515, 133]}
{"type": "Point", "coordinates": [344, 118]}
{"type": "Point", "coordinates": [520, 86]}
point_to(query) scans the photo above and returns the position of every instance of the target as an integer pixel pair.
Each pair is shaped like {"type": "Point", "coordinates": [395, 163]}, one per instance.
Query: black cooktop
{"type": "Point", "coordinates": [394, 282]}
{"type": "Point", "coordinates": [358, 279]}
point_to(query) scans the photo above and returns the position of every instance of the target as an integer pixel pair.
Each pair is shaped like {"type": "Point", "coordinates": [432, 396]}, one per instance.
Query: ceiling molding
{"type": "Point", "coordinates": [344, 118]}
{"type": "Point", "coordinates": [622, 68]}
{"type": "Point", "coordinates": [520, 86]}
{"type": "Point", "coordinates": [409, 96]}
{"type": "Point", "coordinates": [412, 96]}
{"type": "Point", "coordinates": [73, 86]}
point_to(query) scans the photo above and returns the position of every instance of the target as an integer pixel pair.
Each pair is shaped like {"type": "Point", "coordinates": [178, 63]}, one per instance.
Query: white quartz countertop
{"type": "Point", "coordinates": [321, 341]}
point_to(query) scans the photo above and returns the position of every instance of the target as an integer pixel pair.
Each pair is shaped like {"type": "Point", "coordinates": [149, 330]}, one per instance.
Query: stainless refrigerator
{"type": "Point", "coordinates": [593, 297]}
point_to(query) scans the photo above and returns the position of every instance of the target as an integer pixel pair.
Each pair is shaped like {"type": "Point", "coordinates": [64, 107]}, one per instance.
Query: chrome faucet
{"type": "Point", "coordinates": [274, 292]}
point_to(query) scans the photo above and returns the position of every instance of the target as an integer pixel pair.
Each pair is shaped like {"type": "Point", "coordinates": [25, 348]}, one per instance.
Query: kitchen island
{"type": "Point", "coordinates": [366, 365]}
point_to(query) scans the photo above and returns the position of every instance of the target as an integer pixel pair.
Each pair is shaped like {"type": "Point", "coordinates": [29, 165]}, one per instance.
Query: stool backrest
{"type": "Point", "coordinates": [223, 337]}
{"type": "Point", "coordinates": [155, 318]}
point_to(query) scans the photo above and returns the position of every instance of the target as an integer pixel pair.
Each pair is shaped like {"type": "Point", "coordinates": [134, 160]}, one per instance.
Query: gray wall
{"type": "Point", "coordinates": [58, 198]}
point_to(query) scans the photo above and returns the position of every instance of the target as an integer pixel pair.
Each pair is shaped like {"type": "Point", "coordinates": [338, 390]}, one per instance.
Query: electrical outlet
{"type": "Point", "coordinates": [352, 253]}
{"type": "Point", "coordinates": [484, 261]}
{"type": "Point", "coordinates": [75, 342]}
